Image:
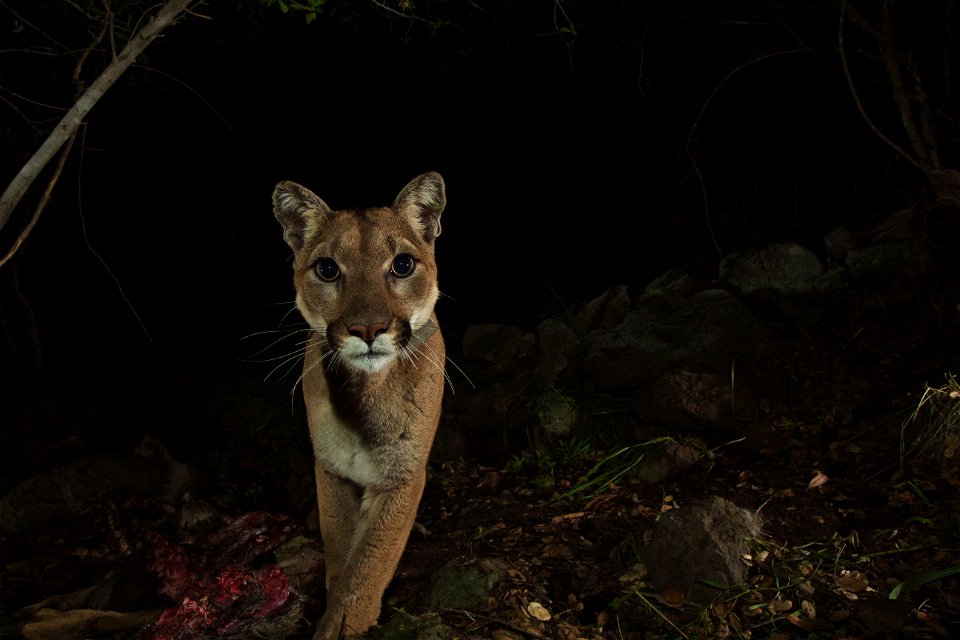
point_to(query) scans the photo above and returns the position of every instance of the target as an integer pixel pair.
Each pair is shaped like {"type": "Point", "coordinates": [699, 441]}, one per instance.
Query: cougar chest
{"type": "Point", "coordinates": [343, 452]}
{"type": "Point", "coordinates": [361, 432]}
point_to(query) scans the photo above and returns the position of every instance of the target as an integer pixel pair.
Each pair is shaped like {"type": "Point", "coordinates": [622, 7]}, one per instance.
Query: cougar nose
{"type": "Point", "coordinates": [367, 332]}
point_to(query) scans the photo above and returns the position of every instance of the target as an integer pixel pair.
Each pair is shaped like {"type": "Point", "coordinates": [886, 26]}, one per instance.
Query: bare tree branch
{"type": "Point", "coordinates": [43, 201]}
{"type": "Point", "coordinates": [48, 191]}
{"type": "Point", "coordinates": [891, 59]}
{"type": "Point", "coordinates": [856, 96]}
{"type": "Point", "coordinates": [71, 121]}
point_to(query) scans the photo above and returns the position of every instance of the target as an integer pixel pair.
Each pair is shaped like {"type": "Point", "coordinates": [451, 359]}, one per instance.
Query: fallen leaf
{"type": "Point", "coordinates": [538, 611]}
{"type": "Point", "coordinates": [852, 581]}
{"type": "Point", "coordinates": [557, 550]}
{"type": "Point", "coordinates": [779, 606]}
{"type": "Point", "coordinates": [567, 516]}
{"type": "Point", "coordinates": [637, 572]}
{"type": "Point", "coordinates": [796, 620]}
{"type": "Point", "coordinates": [819, 479]}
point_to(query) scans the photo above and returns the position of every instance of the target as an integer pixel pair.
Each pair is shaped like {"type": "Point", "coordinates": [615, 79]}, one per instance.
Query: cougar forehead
{"type": "Point", "coordinates": [364, 244]}
{"type": "Point", "coordinates": [364, 239]}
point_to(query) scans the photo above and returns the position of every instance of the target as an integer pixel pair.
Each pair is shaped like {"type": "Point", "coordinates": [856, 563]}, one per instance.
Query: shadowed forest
{"type": "Point", "coordinates": [699, 291]}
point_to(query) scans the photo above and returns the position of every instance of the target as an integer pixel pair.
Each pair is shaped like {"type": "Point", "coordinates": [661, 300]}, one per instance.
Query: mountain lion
{"type": "Point", "coordinates": [373, 376]}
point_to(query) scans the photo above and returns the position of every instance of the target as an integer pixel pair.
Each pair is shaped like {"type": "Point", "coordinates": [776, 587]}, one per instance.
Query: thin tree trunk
{"type": "Point", "coordinates": [70, 122]}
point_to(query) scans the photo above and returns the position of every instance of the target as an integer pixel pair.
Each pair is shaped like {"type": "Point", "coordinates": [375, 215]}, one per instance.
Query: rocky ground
{"type": "Point", "coordinates": [765, 451]}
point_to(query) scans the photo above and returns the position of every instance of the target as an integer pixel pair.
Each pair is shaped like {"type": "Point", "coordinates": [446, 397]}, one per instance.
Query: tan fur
{"type": "Point", "coordinates": [372, 380]}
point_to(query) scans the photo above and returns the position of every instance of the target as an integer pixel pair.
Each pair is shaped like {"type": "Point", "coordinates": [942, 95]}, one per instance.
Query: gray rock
{"type": "Point", "coordinates": [665, 332]}
{"type": "Point", "coordinates": [603, 312]}
{"type": "Point", "coordinates": [556, 414]}
{"type": "Point", "coordinates": [838, 242]}
{"type": "Point", "coordinates": [667, 460]}
{"type": "Point", "coordinates": [556, 344]}
{"type": "Point", "coordinates": [464, 586]}
{"type": "Point", "coordinates": [787, 268]}
{"type": "Point", "coordinates": [80, 487]}
{"type": "Point", "coordinates": [685, 400]}
{"type": "Point", "coordinates": [704, 540]}
{"type": "Point", "coordinates": [673, 281]}
{"type": "Point", "coordinates": [883, 263]}
{"type": "Point", "coordinates": [502, 346]}
{"type": "Point", "coordinates": [403, 626]}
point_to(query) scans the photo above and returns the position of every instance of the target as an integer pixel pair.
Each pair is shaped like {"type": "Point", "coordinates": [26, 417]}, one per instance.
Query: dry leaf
{"type": "Point", "coordinates": [567, 516]}
{"type": "Point", "coordinates": [672, 596]}
{"type": "Point", "coordinates": [796, 620]}
{"type": "Point", "coordinates": [819, 479]}
{"type": "Point", "coordinates": [556, 550]}
{"type": "Point", "coordinates": [779, 606]}
{"type": "Point", "coordinates": [637, 572]}
{"type": "Point", "coordinates": [839, 616]}
{"type": "Point", "coordinates": [538, 611]}
{"type": "Point", "coordinates": [852, 581]}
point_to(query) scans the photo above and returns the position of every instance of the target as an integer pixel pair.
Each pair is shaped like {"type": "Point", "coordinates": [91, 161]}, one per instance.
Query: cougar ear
{"type": "Point", "coordinates": [421, 202]}
{"type": "Point", "coordinates": [299, 211]}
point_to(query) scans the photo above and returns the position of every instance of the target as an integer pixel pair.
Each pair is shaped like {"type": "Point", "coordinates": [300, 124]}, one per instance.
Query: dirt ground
{"type": "Point", "coordinates": [853, 510]}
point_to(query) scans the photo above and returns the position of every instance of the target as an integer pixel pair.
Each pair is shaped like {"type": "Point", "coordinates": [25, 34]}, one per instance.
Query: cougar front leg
{"type": "Point", "coordinates": [339, 504]}
{"type": "Point", "coordinates": [386, 518]}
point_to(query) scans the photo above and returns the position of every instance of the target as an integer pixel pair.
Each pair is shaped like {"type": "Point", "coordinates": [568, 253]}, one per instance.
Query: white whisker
{"type": "Point", "coordinates": [432, 359]}
{"type": "Point", "coordinates": [291, 359]}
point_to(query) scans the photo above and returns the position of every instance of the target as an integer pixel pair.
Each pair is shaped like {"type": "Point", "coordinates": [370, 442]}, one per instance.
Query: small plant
{"type": "Point", "coordinates": [544, 462]}
{"type": "Point", "coordinates": [934, 426]}
{"type": "Point", "coordinates": [615, 465]}
{"type": "Point", "coordinates": [310, 8]}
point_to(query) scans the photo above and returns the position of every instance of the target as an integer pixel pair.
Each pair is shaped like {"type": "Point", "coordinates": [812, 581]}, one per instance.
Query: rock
{"type": "Point", "coordinates": [701, 541]}
{"type": "Point", "coordinates": [500, 345]}
{"type": "Point", "coordinates": [404, 626]}
{"type": "Point", "coordinates": [668, 331]}
{"type": "Point", "coordinates": [667, 460]}
{"type": "Point", "coordinates": [464, 586]}
{"type": "Point", "coordinates": [556, 344]}
{"type": "Point", "coordinates": [838, 242]}
{"type": "Point", "coordinates": [687, 400]}
{"type": "Point", "coordinates": [556, 414]}
{"type": "Point", "coordinates": [603, 312]}
{"type": "Point", "coordinates": [883, 263]}
{"type": "Point", "coordinates": [83, 485]}
{"type": "Point", "coordinates": [787, 268]}
{"type": "Point", "coordinates": [894, 228]}
{"type": "Point", "coordinates": [673, 281]}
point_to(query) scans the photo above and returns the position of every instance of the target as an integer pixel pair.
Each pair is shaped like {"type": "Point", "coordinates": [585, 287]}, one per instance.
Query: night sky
{"type": "Point", "coordinates": [567, 162]}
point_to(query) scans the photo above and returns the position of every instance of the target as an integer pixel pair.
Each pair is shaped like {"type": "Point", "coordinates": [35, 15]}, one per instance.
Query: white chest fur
{"type": "Point", "coordinates": [341, 451]}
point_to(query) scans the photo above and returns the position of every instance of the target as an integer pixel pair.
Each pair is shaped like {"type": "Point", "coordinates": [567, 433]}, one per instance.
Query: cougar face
{"type": "Point", "coordinates": [366, 280]}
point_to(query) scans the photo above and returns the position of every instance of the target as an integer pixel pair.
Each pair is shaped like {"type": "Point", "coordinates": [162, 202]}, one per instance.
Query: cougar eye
{"type": "Point", "coordinates": [327, 270]}
{"type": "Point", "coordinates": [403, 265]}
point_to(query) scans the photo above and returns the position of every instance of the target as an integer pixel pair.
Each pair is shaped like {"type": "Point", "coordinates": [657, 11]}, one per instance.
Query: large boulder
{"type": "Point", "coordinates": [787, 268]}
{"type": "Point", "coordinates": [668, 331]}
{"type": "Point", "coordinates": [702, 542]}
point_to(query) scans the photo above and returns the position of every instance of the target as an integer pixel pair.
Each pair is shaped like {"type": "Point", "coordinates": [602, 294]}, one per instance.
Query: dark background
{"type": "Point", "coordinates": [572, 162]}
